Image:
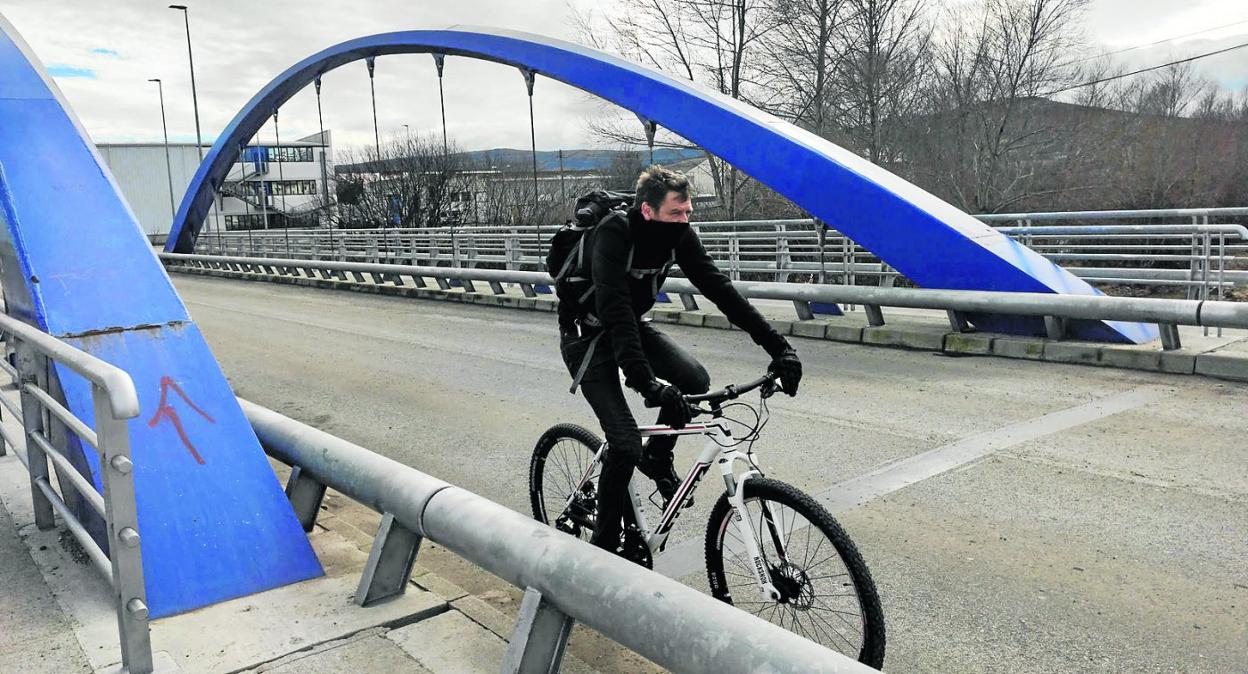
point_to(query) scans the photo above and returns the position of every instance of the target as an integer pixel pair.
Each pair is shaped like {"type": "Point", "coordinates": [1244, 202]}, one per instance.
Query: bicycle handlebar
{"type": "Point", "coordinates": [734, 390]}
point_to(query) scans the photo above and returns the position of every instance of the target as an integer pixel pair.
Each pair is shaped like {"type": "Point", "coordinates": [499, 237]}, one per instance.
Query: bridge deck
{"type": "Point", "coordinates": [1018, 516]}
{"type": "Point", "coordinates": [1085, 516]}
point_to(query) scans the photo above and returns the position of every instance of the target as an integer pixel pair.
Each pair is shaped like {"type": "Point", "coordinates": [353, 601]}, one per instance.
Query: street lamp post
{"type": "Point", "coordinates": [186, 16]}
{"type": "Point", "coordinates": [165, 128]}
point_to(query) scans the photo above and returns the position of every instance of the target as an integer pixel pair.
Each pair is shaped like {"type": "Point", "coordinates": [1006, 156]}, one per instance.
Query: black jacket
{"type": "Point", "coordinates": [621, 298]}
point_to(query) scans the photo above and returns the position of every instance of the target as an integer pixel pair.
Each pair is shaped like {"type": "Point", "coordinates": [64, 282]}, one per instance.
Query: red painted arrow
{"type": "Point", "coordinates": [165, 410]}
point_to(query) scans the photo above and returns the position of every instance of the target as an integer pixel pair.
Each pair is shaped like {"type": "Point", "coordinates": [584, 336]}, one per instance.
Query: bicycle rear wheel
{"type": "Point", "coordinates": [562, 456]}
{"type": "Point", "coordinates": [827, 594]}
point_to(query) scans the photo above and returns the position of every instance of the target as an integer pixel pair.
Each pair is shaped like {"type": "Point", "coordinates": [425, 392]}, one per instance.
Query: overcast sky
{"type": "Point", "coordinates": [102, 52]}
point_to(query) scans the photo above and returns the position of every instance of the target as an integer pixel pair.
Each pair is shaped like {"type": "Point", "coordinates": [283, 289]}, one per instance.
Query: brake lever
{"type": "Point", "coordinates": [698, 410]}
{"type": "Point", "coordinates": [769, 388]}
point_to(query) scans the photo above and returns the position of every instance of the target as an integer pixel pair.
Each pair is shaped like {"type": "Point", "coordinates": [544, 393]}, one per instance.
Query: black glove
{"type": "Point", "coordinates": [789, 369]}
{"type": "Point", "coordinates": [673, 407]}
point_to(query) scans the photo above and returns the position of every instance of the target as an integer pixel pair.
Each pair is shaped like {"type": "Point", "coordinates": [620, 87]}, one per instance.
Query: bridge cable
{"type": "Point", "coordinates": [372, 93]}
{"type": "Point", "coordinates": [529, 77]}
{"type": "Point", "coordinates": [651, 127]}
{"type": "Point", "coordinates": [439, 60]}
{"type": "Point", "coordinates": [242, 190]}
{"type": "Point", "coordinates": [281, 181]}
{"type": "Point", "coordinates": [219, 203]}
{"type": "Point", "coordinates": [329, 212]}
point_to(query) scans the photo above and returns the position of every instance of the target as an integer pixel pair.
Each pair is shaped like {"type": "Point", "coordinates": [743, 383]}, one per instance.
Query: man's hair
{"type": "Point", "coordinates": [655, 182]}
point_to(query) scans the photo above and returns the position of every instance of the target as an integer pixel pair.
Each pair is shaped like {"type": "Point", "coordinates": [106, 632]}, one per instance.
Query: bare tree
{"type": "Point", "coordinates": [878, 72]}
{"type": "Point", "coordinates": [802, 53]}
{"type": "Point", "coordinates": [992, 141]}
{"type": "Point", "coordinates": [407, 182]}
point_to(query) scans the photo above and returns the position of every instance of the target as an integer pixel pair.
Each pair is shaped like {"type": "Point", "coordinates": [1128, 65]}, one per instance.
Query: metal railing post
{"type": "Point", "coordinates": [1055, 327]}
{"type": "Point", "coordinates": [125, 553]}
{"type": "Point", "coordinates": [1193, 263]}
{"type": "Point", "coordinates": [511, 251]}
{"type": "Point", "coordinates": [539, 638]}
{"type": "Point", "coordinates": [783, 258]}
{"type": "Point", "coordinates": [804, 312]}
{"type": "Point", "coordinates": [389, 563]}
{"type": "Point", "coordinates": [734, 256]}
{"type": "Point", "coordinates": [305, 495]}
{"type": "Point", "coordinates": [33, 368]}
{"type": "Point", "coordinates": [957, 321]}
{"type": "Point", "coordinates": [875, 315]}
{"type": "Point", "coordinates": [1204, 274]}
{"type": "Point", "coordinates": [1169, 336]}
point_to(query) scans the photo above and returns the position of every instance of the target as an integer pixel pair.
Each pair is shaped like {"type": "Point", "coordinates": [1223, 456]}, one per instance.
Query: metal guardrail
{"type": "Point", "coordinates": [564, 579]}
{"type": "Point", "coordinates": [1117, 215]}
{"type": "Point", "coordinates": [1194, 255]}
{"type": "Point", "coordinates": [114, 402]}
{"type": "Point", "coordinates": [1056, 310]}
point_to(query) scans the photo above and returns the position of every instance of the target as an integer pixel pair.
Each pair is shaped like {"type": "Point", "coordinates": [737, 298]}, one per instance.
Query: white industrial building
{"type": "Point", "coordinates": [270, 187]}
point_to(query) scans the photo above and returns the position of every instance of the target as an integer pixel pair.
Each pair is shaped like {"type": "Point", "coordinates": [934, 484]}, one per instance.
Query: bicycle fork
{"type": "Point", "coordinates": [745, 530]}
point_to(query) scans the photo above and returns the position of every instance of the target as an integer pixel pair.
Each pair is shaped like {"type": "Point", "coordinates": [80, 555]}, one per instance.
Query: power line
{"type": "Point", "coordinates": [1154, 44]}
{"type": "Point", "coordinates": [1145, 70]}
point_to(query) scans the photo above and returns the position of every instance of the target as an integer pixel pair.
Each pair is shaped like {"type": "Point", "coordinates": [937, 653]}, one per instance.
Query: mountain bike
{"type": "Point", "coordinates": [771, 549]}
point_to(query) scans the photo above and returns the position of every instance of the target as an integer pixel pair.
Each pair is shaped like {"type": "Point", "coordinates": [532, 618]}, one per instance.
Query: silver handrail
{"type": "Point", "coordinates": [114, 402]}
{"type": "Point", "coordinates": [564, 579]}
{"type": "Point", "coordinates": [1117, 215]}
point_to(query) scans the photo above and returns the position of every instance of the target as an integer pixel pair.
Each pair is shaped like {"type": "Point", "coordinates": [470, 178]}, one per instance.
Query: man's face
{"type": "Point", "coordinates": [676, 207]}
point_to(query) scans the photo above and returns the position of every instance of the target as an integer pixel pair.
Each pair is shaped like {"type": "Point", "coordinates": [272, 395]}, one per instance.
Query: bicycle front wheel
{"type": "Point", "coordinates": [826, 591]}
{"type": "Point", "coordinates": [559, 492]}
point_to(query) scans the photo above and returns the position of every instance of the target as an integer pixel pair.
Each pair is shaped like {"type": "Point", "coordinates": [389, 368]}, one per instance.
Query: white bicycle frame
{"type": "Point", "coordinates": [713, 452]}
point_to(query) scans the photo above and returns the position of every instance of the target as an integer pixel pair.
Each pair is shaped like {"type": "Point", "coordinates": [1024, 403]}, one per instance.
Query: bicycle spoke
{"type": "Point", "coordinates": [833, 575]}
{"type": "Point", "coordinates": [835, 555]}
{"type": "Point", "coordinates": [563, 468]}
{"type": "Point", "coordinates": [818, 546]}
{"type": "Point", "coordinates": [840, 614]}
{"type": "Point", "coordinates": [853, 647]}
{"type": "Point", "coordinates": [814, 627]}
{"type": "Point", "coordinates": [824, 631]}
{"type": "Point", "coordinates": [788, 536]}
{"type": "Point", "coordinates": [562, 464]}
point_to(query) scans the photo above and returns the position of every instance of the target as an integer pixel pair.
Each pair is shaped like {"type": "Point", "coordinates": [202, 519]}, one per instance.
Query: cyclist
{"type": "Point", "coordinates": [628, 256]}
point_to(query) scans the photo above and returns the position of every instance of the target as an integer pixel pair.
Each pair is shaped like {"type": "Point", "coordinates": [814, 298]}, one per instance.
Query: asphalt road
{"type": "Point", "coordinates": [1017, 516]}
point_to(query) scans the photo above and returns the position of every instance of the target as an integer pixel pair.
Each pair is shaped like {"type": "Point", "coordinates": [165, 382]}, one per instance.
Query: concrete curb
{"type": "Point", "coordinates": [1231, 365]}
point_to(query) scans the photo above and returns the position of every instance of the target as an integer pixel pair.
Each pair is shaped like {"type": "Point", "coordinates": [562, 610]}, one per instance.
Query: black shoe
{"type": "Point", "coordinates": [665, 478]}
{"type": "Point", "coordinates": [628, 544]}
{"type": "Point", "coordinates": [667, 489]}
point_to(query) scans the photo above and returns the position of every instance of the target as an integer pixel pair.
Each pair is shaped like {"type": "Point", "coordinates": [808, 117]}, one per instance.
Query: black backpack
{"type": "Point", "coordinates": [565, 261]}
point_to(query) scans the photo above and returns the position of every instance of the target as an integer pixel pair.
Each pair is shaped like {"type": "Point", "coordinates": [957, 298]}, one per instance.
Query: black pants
{"type": "Point", "coordinates": [601, 387]}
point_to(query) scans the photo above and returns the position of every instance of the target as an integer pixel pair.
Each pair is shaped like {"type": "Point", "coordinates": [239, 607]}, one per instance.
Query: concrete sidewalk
{"type": "Point", "coordinates": [56, 615]}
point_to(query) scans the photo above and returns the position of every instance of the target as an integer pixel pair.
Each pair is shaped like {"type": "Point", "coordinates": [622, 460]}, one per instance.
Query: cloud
{"type": "Point", "coordinates": [241, 45]}
{"type": "Point", "coordinates": [61, 70]}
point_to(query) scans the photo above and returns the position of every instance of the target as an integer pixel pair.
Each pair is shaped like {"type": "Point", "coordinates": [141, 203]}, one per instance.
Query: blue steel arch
{"type": "Point", "coordinates": [214, 522]}
{"type": "Point", "coordinates": [930, 241]}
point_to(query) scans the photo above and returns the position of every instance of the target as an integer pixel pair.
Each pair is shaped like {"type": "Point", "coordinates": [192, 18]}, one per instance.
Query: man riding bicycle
{"type": "Point", "coordinates": [627, 258]}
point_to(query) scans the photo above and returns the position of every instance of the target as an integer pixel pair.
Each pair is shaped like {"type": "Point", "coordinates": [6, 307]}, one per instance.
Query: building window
{"type": "Point", "coordinates": [290, 187]}
{"type": "Point", "coordinates": [242, 222]}
{"type": "Point", "coordinates": [301, 153]}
